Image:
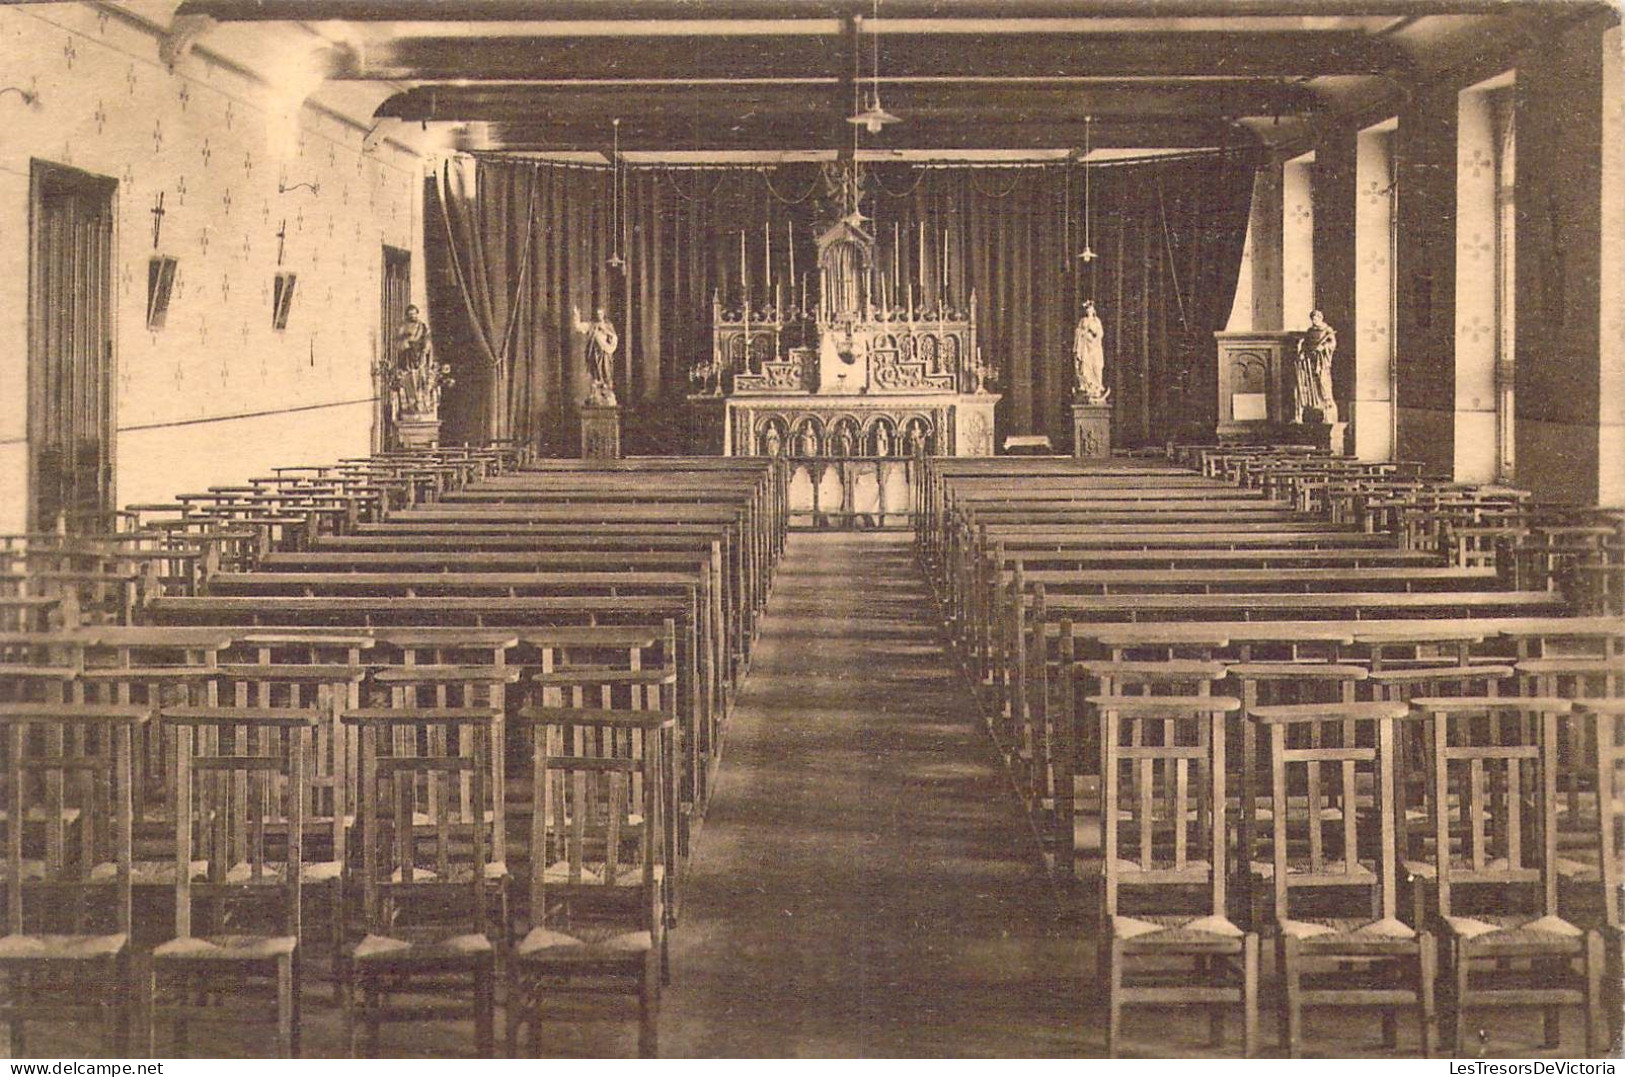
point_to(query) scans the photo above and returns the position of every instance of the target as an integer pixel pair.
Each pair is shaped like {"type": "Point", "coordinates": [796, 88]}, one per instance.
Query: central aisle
{"type": "Point", "coordinates": [864, 883]}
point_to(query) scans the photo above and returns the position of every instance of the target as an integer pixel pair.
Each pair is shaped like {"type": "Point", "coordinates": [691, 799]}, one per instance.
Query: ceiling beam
{"type": "Point", "coordinates": [977, 102]}
{"type": "Point", "coordinates": [1276, 54]}
{"type": "Point", "coordinates": [521, 10]}
{"type": "Point", "coordinates": [637, 136]}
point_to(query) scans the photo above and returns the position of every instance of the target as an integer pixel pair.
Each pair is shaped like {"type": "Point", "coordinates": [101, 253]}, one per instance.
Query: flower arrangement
{"type": "Point", "coordinates": [414, 387]}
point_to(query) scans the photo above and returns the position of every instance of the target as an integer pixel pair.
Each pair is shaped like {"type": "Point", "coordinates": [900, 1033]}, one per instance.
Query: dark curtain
{"type": "Point", "coordinates": [1168, 234]}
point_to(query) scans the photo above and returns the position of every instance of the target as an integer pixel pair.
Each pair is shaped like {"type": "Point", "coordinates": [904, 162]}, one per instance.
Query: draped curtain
{"type": "Point", "coordinates": [1168, 235]}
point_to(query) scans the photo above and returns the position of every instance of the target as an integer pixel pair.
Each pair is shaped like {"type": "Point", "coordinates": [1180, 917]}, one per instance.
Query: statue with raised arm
{"type": "Point", "coordinates": [1312, 371]}
{"type": "Point", "coordinates": [1089, 357]}
{"type": "Point", "coordinates": [602, 340]}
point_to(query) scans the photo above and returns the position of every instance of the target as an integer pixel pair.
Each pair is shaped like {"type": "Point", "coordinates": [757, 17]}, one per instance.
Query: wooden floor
{"type": "Point", "coordinates": [865, 884]}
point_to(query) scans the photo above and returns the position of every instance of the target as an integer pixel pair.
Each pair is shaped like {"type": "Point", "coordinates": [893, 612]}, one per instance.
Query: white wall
{"type": "Point", "coordinates": [217, 394]}
{"type": "Point", "coordinates": [1372, 414]}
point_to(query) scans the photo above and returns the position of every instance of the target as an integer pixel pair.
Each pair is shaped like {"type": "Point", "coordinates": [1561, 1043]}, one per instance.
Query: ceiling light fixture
{"type": "Point", "coordinates": [615, 259]}
{"type": "Point", "coordinates": [1088, 253]}
{"type": "Point", "coordinates": [874, 118]}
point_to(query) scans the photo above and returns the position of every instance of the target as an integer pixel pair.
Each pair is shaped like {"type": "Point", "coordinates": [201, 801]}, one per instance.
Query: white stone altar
{"type": "Point", "coordinates": [849, 389]}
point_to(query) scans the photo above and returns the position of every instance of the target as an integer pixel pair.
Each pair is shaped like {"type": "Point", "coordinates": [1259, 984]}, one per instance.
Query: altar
{"type": "Point", "coordinates": [850, 388]}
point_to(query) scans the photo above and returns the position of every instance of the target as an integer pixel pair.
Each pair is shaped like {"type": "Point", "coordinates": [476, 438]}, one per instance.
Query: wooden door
{"type": "Point", "coordinates": [70, 350]}
{"type": "Point", "coordinates": [396, 297]}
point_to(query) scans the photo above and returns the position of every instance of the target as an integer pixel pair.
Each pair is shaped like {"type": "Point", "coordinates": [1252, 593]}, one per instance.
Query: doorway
{"type": "Point", "coordinates": [70, 350]}
{"type": "Point", "coordinates": [396, 296]}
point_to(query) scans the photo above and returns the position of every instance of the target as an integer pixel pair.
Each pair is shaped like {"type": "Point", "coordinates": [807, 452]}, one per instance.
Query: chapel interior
{"type": "Point", "coordinates": [812, 528]}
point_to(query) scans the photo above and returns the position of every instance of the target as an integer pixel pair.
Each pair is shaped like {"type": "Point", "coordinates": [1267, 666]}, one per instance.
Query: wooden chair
{"type": "Point", "coordinates": [324, 690]}
{"type": "Point", "coordinates": [1494, 777]}
{"type": "Point", "coordinates": [1173, 832]}
{"type": "Point", "coordinates": [65, 951]}
{"type": "Point", "coordinates": [1604, 881]}
{"type": "Point", "coordinates": [241, 775]}
{"type": "Point", "coordinates": [425, 883]}
{"type": "Point", "coordinates": [1331, 781]}
{"type": "Point", "coordinates": [598, 838]}
{"type": "Point", "coordinates": [1261, 683]}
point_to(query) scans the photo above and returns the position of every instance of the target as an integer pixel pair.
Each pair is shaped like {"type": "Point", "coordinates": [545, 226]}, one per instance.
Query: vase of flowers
{"type": "Point", "coordinates": [414, 389]}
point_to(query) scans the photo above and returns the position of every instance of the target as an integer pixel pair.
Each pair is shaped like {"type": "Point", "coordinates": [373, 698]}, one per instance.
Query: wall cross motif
{"type": "Point", "coordinates": [180, 190]}
{"type": "Point", "coordinates": [157, 212]}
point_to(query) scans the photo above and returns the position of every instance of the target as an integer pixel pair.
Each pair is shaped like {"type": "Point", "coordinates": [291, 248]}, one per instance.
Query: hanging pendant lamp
{"type": "Point", "coordinates": [874, 118]}
{"type": "Point", "coordinates": [615, 259]}
{"type": "Point", "coordinates": [1087, 255]}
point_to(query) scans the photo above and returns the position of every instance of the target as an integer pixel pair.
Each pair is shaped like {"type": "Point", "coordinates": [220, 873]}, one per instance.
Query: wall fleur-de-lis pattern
{"type": "Point", "coordinates": [109, 106]}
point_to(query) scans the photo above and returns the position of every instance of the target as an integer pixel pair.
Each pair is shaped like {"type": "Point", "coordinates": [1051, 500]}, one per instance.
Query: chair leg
{"type": "Point", "coordinates": [1210, 972]}
{"type": "Point", "coordinates": [1114, 997]}
{"type": "Point", "coordinates": [1461, 966]}
{"type": "Point", "coordinates": [1429, 1017]}
{"type": "Point", "coordinates": [1291, 1000]}
{"type": "Point", "coordinates": [485, 1009]}
{"type": "Point", "coordinates": [347, 1000]}
{"type": "Point", "coordinates": [183, 1015]}
{"type": "Point", "coordinates": [123, 1004]}
{"type": "Point", "coordinates": [284, 1008]}
{"type": "Point", "coordinates": [1249, 995]}
{"type": "Point", "coordinates": [152, 1013]}
{"type": "Point", "coordinates": [649, 1008]}
{"type": "Point", "coordinates": [511, 1011]}
{"type": "Point", "coordinates": [1597, 1025]}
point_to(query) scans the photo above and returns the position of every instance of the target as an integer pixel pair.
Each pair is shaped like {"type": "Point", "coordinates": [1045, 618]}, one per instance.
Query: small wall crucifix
{"type": "Point", "coordinates": [281, 238]}
{"type": "Point", "coordinates": [157, 219]}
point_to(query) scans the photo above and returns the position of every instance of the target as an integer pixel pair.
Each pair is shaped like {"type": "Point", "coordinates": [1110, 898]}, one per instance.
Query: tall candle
{"type": "Point", "coordinates": [942, 256]}
{"type": "Point", "coordinates": [896, 248]}
{"type": "Point", "coordinates": [919, 266]}
{"type": "Point", "coordinates": [744, 272]}
{"type": "Point", "coordinates": [767, 256]}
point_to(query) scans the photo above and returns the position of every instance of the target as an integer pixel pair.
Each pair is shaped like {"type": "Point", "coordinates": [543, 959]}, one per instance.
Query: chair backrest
{"type": "Point", "coordinates": [1608, 729]}
{"type": "Point", "coordinates": [1161, 827]}
{"type": "Point", "coordinates": [1328, 762]}
{"type": "Point", "coordinates": [241, 781]}
{"type": "Point", "coordinates": [600, 822]}
{"type": "Point", "coordinates": [472, 687]}
{"type": "Point", "coordinates": [1494, 794]}
{"type": "Point", "coordinates": [425, 775]}
{"type": "Point", "coordinates": [46, 744]}
{"type": "Point", "coordinates": [320, 687]}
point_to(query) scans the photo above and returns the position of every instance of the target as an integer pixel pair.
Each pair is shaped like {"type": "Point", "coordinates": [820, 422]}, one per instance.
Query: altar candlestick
{"type": "Point", "coordinates": [919, 265]}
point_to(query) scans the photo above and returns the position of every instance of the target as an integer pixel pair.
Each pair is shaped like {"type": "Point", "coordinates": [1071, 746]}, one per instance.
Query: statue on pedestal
{"type": "Point", "coordinates": [1312, 371]}
{"type": "Point", "coordinates": [602, 340]}
{"type": "Point", "coordinates": [1089, 358]}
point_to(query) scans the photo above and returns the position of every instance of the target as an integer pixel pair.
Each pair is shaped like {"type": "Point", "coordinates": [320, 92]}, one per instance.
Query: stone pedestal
{"type": "Point", "coordinates": [973, 424]}
{"type": "Point", "coordinates": [1326, 436]}
{"type": "Point", "coordinates": [418, 431]}
{"type": "Point", "coordinates": [1091, 431]}
{"type": "Point", "coordinates": [600, 432]}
